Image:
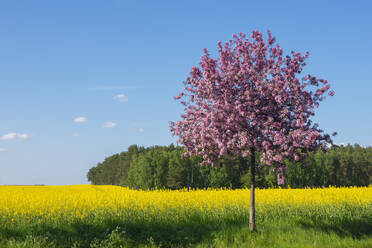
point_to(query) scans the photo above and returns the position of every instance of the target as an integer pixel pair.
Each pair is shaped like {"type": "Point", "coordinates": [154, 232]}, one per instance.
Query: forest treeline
{"type": "Point", "coordinates": [164, 167]}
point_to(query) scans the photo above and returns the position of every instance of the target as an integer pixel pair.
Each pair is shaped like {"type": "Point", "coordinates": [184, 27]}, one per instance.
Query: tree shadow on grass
{"type": "Point", "coordinates": [163, 234]}
{"type": "Point", "coordinates": [355, 228]}
{"type": "Point", "coordinates": [6, 232]}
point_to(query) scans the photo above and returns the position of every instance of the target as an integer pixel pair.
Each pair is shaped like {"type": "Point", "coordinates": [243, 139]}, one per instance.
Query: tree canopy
{"type": "Point", "coordinates": [251, 99]}
{"type": "Point", "coordinates": [137, 168]}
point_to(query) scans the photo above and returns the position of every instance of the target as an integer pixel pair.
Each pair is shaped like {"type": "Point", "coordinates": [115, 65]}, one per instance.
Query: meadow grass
{"type": "Point", "coordinates": [100, 216]}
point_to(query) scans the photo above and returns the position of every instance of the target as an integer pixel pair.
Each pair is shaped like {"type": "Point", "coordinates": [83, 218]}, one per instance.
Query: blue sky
{"type": "Point", "coordinates": [118, 64]}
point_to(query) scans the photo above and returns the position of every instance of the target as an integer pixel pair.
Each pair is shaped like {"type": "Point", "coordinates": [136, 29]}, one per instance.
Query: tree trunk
{"type": "Point", "coordinates": [252, 221]}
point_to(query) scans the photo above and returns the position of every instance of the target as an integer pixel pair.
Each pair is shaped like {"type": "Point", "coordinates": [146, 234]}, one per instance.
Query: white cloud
{"type": "Point", "coordinates": [121, 98]}
{"type": "Point", "coordinates": [22, 136]}
{"type": "Point", "coordinates": [109, 124]}
{"type": "Point", "coordinates": [141, 130]}
{"type": "Point", "coordinates": [9, 136]}
{"type": "Point", "coordinates": [2, 149]}
{"type": "Point", "coordinates": [75, 135]}
{"type": "Point", "coordinates": [12, 136]}
{"type": "Point", "coordinates": [80, 119]}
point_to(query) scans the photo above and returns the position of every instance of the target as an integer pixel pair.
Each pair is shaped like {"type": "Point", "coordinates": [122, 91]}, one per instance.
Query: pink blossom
{"type": "Point", "coordinates": [280, 179]}
{"type": "Point", "coordinates": [251, 96]}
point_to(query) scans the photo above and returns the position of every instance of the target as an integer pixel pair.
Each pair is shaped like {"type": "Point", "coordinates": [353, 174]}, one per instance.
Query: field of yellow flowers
{"type": "Point", "coordinates": [64, 210]}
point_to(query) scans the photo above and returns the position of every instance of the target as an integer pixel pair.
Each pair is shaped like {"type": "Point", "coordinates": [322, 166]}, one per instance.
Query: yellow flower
{"type": "Point", "coordinates": [56, 203]}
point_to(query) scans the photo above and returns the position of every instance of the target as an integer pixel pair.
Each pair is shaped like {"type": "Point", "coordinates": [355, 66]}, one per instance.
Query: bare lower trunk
{"type": "Point", "coordinates": [252, 221]}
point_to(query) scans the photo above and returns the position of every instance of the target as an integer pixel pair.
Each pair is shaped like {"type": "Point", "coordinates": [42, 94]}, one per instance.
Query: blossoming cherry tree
{"type": "Point", "coordinates": [250, 99]}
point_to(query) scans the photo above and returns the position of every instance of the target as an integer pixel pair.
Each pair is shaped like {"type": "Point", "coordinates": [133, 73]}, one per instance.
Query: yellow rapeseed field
{"type": "Point", "coordinates": [49, 203]}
